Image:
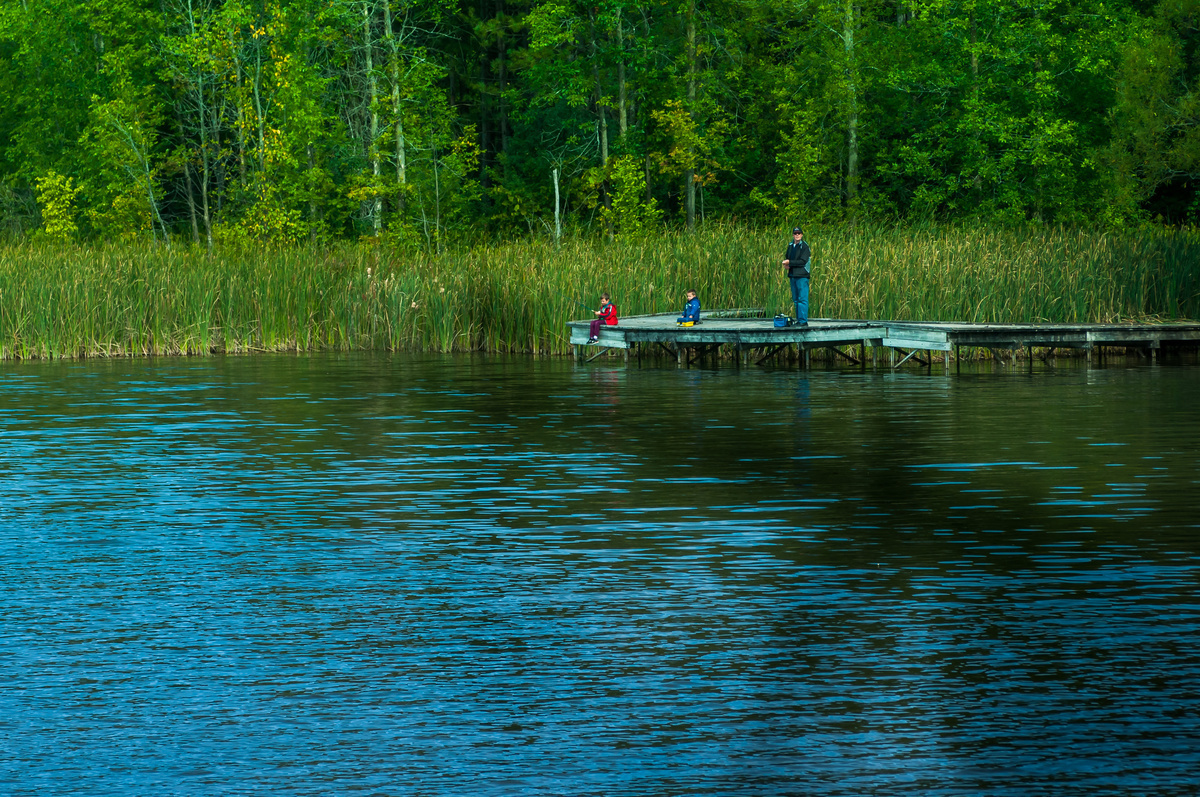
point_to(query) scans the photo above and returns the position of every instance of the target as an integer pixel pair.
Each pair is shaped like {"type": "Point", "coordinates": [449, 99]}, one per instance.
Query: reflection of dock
{"type": "Point", "coordinates": [757, 339]}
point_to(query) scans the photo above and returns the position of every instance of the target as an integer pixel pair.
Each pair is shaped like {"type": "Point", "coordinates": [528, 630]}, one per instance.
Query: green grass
{"type": "Point", "coordinates": [79, 301]}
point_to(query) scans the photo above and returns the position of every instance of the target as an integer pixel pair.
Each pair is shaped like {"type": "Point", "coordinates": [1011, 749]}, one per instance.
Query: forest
{"type": "Point", "coordinates": [418, 122]}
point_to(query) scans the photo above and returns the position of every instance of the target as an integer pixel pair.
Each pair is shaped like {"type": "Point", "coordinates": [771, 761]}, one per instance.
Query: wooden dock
{"type": "Point", "coordinates": [756, 339]}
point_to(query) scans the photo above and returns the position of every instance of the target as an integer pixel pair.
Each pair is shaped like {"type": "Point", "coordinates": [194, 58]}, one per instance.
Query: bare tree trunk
{"type": "Point", "coordinates": [978, 179]}
{"type": "Point", "coordinates": [191, 202]}
{"type": "Point", "coordinates": [146, 177]}
{"type": "Point", "coordinates": [203, 121]}
{"type": "Point", "coordinates": [312, 202]}
{"type": "Point", "coordinates": [375, 208]}
{"type": "Point", "coordinates": [205, 179]}
{"type": "Point", "coordinates": [219, 167]}
{"type": "Point", "coordinates": [601, 117]}
{"type": "Point", "coordinates": [397, 111]}
{"type": "Point", "coordinates": [849, 24]}
{"type": "Point", "coordinates": [603, 136]}
{"type": "Point", "coordinates": [437, 202]}
{"type": "Point", "coordinates": [689, 175]}
{"type": "Point", "coordinates": [557, 217]}
{"type": "Point", "coordinates": [646, 55]}
{"type": "Point", "coordinates": [258, 111]}
{"type": "Point", "coordinates": [649, 189]}
{"type": "Point", "coordinates": [241, 121]}
{"type": "Point", "coordinates": [485, 180]}
{"type": "Point", "coordinates": [601, 122]}
{"type": "Point", "coordinates": [502, 77]}
{"type": "Point", "coordinates": [622, 104]}
{"type": "Point", "coordinates": [205, 176]}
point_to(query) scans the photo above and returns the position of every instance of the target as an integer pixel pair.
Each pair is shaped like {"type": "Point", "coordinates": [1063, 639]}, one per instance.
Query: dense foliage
{"type": "Point", "coordinates": [412, 120]}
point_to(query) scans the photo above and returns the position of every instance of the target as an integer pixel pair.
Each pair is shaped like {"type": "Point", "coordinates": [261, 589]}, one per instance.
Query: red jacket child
{"type": "Point", "coordinates": [607, 315]}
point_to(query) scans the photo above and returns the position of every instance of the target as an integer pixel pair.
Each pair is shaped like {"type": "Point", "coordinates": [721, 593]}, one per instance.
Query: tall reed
{"type": "Point", "coordinates": [110, 300]}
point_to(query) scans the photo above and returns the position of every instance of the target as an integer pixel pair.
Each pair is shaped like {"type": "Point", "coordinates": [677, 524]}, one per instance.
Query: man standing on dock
{"type": "Point", "coordinates": [795, 266]}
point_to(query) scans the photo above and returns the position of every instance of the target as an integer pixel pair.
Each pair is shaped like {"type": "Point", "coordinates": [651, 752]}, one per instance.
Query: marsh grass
{"type": "Point", "coordinates": [517, 297]}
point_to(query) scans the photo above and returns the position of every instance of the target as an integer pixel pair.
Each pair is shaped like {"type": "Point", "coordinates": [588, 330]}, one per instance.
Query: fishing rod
{"type": "Point", "coordinates": [573, 299]}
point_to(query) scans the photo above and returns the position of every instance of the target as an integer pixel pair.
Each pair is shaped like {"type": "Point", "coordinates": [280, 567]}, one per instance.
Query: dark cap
{"type": "Point", "coordinates": [797, 230]}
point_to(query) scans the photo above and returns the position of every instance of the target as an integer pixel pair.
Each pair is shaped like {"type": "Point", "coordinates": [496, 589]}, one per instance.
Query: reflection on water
{"type": "Point", "coordinates": [415, 575]}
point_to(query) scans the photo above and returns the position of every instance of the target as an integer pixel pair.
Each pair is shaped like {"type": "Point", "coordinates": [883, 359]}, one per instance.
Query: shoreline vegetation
{"type": "Point", "coordinates": [71, 301]}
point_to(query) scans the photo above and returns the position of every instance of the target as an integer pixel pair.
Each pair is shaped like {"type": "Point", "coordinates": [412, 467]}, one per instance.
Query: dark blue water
{"type": "Point", "coordinates": [448, 576]}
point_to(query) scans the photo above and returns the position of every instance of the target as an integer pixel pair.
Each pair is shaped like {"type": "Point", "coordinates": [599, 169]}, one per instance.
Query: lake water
{"type": "Point", "coordinates": [406, 575]}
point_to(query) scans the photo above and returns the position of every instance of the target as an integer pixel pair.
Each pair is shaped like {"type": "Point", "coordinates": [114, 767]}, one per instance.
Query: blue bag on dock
{"type": "Point", "coordinates": [782, 321]}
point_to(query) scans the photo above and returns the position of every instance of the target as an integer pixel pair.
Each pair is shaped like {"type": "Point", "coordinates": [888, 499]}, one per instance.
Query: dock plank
{"type": "Point", "coordinates": [726, 327]}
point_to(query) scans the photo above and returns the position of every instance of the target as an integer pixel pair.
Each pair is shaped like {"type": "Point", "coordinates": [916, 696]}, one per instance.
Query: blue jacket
{"type": "Point", "coordinates": [691, 311]}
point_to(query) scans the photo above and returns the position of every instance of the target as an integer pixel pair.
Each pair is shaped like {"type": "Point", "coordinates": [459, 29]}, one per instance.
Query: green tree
{"type": "Point", "coordinates": [1154, 155]}
{"type": "Point", "coordinates": [56, 200]}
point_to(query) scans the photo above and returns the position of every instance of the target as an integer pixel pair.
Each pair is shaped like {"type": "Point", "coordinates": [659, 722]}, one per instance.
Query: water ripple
{"type": "Point", "coordinates": [424, 575]}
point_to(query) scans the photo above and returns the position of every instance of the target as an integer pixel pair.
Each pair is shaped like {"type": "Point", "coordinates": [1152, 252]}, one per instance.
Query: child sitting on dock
{"type": "Point", "coordinates": [606, 315]}
{"type": "Point", "coordinates": [691, 311]}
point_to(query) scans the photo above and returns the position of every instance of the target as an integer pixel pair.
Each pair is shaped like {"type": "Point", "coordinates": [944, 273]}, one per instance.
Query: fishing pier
{"type": "Point", "coordinates": [755, 339]}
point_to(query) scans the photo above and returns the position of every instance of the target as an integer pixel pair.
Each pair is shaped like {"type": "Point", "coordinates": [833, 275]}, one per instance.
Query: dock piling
{"type": "Point", "coordinates": [753, 338]}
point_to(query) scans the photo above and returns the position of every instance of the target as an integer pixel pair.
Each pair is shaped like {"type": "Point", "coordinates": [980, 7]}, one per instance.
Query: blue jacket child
{"type": "Point", "coordinates": [691, 310]}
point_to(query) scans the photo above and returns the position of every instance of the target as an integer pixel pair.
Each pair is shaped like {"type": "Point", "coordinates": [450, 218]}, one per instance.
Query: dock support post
{"type": "Point", "coordinates": [575, 352]}
{"type": "Point", "coordinates": [957, 360]}
{"type": "Point", "coordinates": [946, 362]}
{"type": "Point", "coordinates": [1029, 353]}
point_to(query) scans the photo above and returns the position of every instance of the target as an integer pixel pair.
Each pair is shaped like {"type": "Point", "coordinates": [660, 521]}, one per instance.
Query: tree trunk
{"type": "Point", "coordinates": [601, 117]}
{"type": "Point", "coordinates": [557, 218]}
{"type": "Point", "coordinates": [312, 201]}
{"type": "Point", "coordinates": [977, 181]}
{"type": "Point", "coordinates": [849, 24]}
{"type": "Point", "coordinates": [147, 178]}
{"type": "Point", "coordinates": [376, 204]}
{"type": "Point", "coordinates": [622, 104]}
{"type": "Point", "coordinates": [649, 189]}
{"type": "Point", "coordinates": [219, 168]}
{"type": "Point", "coordinates": [205, 120]}
{"type": "Point", "coordinates": [205, 176]}
{"type": "Point", "coordinates": [437, 202]}
{"type": "Point", "coordinates": [601, 122]}
{"type": "Point", "coordinates": [398, 121]}
{"type": "Point", "coordinates": [502, 78]}
{"type": "Point", "coordinates": [689, 175]}
{"type": "Point", "coordinates": [191, 202]}
{"type": "Point", "coordinates": [241, 115]}
{"type": "Point", "coordinates": [258, 111]}
{"type": "Point", "coordinates": [486, 132]}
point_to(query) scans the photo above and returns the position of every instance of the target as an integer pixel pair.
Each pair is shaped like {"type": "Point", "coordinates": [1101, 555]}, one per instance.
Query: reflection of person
{"type": "Point", "coordinates": [691, 310]}
{"type": "Point", "coordinates": [795, 265]}
{"type": "Point", "coordinates": [606, 315]}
